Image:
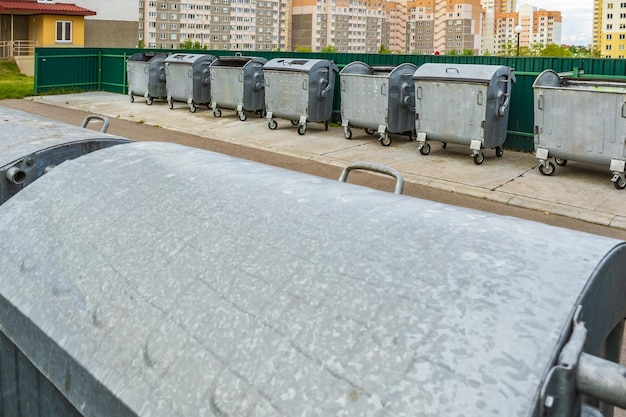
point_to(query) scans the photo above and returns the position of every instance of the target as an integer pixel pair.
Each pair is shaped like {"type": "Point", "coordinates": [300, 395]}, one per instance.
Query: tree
{"type": "Point", "coordinates": [329, 49]}
{"type": "Point", "coordinates": [383, 50]}
{"type": "Point", "coordinates": [467, 52]}
{"type": "Point", "coordinates": [301, 48]}
{"type": "Point", "coordinates": [555, 50]}
{"type": "Point", "coordinates": [141, 44]}
{"type": "Point", "coordinates": [452, 52]}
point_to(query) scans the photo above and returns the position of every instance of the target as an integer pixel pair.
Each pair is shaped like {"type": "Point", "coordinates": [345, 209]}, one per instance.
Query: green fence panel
{"type": "Point", "coordinates": [88, 69]}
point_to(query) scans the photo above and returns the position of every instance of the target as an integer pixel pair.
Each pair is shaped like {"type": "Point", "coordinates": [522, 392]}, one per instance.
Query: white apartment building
{"type": "Point", "coordinates": [214, 24]}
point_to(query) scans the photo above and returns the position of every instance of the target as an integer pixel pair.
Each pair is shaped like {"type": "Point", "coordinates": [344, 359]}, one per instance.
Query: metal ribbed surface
{"type": "Point", "coordinates": [180, 282]}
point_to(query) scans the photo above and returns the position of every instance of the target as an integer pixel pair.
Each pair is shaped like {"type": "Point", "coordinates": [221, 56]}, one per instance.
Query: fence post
{"type": "Point", "coordinates": [99, 69]}
{"type": "Point", "coordinates": [124, 74]}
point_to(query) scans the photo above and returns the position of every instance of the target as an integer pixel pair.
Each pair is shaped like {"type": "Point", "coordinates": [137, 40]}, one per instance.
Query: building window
{"type": "Point", "coordinates": [64, 31]}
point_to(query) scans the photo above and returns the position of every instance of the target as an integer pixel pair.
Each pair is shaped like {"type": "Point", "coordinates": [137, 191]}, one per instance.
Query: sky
{"type": "Point", "coordinates": [577, 18]}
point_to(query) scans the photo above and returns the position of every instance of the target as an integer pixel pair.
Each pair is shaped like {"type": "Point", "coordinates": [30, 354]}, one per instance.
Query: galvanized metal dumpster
{"type": "Point", "coordinates": [188, 79]}
{"type": "Point", "coordinates": [463, 103]}
{"type": "Point", "coordinates": [147, 290]}
{"type": "Point", "coordinates": [580, 120]}
{"type": "Point", "coordinates": [30, 146]}
{"type": "Point", "coordinates": [146, 76]}
{"type": "Point", "coordinates": [379, 99]}
{"type": "Point", "coordinates": [238, 83]}
{"type": "Point", "coordinates": [300, 90]}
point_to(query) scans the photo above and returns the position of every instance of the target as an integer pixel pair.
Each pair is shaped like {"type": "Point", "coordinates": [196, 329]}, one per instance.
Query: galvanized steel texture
{"type": "Point", "coordinates": [33, 144]}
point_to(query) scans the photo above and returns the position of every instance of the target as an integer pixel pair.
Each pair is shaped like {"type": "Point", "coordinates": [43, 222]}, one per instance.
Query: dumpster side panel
{"type": "Point", "coordinates": [138, 77]}
{"type": "Point", "coordinates": [179, 81]}
{"type": "Point", "coordinates": [402, 100]}
{"type": "Point", "coordinates": [227, 86]}
{"type": "Point", "coordinates": [595, 136]}
{"type": "Point", "coordinates": [156, 77]}
{"type": "Point", "coordinates": [253, 86]}
{"type": "Point", "coordinates": [320, 99]}
{"type": "Point", "coordinates": [287, 94]}
{"type": "Point", "coordinates": [450, 111]}
{"type": "Point", "coordinates": [202, 82]}
{"type": "Point", "coordinates": [364, 100]}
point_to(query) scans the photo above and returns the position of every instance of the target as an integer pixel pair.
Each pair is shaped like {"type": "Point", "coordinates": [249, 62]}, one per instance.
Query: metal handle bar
{"type": "Point", "coordinates": [367, 166]}
{"type": "Point", "coordinates": [104, 119]}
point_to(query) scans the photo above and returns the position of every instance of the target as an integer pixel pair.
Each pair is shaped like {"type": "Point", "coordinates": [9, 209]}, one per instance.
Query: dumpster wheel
{"type": "Point", "coordinates": [301, 130]}
{"type": "Point", "coordinates": [385, 140]}
{"type": "Point", "coordinates": [272, 124]}
{"type": "Point", "coordinates": [132, 98]}
{"type": "Point", "coordinates": [499, 151]}
{"type": "Point", "coordinates": [149, 101]}
{"type": "Point", "coordinates": [479, 158]}
{"type": "Point", "coordinates": [347, 133]}
{"type": "Point", "coordinates": [424, 149]}
{"type": "Point", "coordinates": [192, 108]}
{"type": "Point", "coordinates": [560, 162]}
{"type": "Point", "coordinates": [370, 131]}
{"type": "Point", "coordinates": [620, 183]}
{"type": "Point", "coordinates": [547, 169]}
{"type": "Point", "coordinates": [170, 104]}
{"type": "Point", "coordinates": [294, 122]}
{"type": "Point", "coordinates": [242, 116]}
{"type": "Point", "coordinates": [217, 113]}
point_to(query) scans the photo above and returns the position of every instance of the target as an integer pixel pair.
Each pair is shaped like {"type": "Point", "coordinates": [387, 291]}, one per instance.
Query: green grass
{"type": "Point", "coordinates": [14, 84]}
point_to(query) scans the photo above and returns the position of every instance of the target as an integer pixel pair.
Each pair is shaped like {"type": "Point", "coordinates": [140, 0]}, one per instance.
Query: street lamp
{"type": "Point", "coordinates": [518, 30]}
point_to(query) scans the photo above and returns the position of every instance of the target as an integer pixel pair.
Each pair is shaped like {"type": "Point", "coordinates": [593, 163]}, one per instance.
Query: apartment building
{"type": "Point", "coordinates": [538, 27]}
{"type": "Point", "coordinates": [349, 25]}
{"type": "Point", "coordinates": [215, 24]}
{"type": "Point", "coordinates": [493, 11]}
{"type": "Point", "coordinates": [609, 28]}
{"type": "Point", "coordinates": [443, 26]}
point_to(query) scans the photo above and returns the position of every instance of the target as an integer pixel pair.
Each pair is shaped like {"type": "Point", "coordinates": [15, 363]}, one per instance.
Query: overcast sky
{"type": "Point", "coordinates": [577, 18]}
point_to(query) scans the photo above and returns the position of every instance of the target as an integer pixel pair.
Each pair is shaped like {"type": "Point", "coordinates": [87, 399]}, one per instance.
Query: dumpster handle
{"type": "Point", "coordinates": [367, 166]}
{"type": "Point", "coordinates": [452, 68]}
{"type": "Point", "coordinates": [105, 121]}
{"type": "Point", "coordinates": [624, 110]}
{"type": "Point", "coordinates": [540, 102]}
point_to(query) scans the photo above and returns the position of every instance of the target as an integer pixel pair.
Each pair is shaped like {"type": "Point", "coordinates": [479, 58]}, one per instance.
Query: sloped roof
{"type": "Point", "coordinates": [33, 7]}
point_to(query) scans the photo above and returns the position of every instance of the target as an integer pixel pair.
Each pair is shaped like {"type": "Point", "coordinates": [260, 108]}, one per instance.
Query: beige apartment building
{"type": "Point", "coordinates": [359, 26]}
{"type": "Point", "coordinates": [609, 28]}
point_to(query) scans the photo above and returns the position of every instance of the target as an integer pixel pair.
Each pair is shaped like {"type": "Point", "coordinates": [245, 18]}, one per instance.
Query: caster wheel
{"type": "Point", "coordinates": [149, 101]}
{"type": "Point", "coordinates": [301, 130]}
{"type": "Point", "coordinates": [499, 151]}
{"type": "Point", "coordinates": [620, 184]}
{"type": "Point", "coordinates": [294, 123]}
{"type": "Point", "coordinates": [217, 113]}
{"type": "Point", "coordinates": [170, 104]}
{"type": "Point", "coordinates": [425, 149]}
{"type": "Point", "coordinates": [192, 108]}
{"type": "Point", "coordinates": [326, 125]}
{"type": "Point", "coordinates": [272, 124]}
{"type": "Point", "coordinates": [347, 133]}
{"type": "Point", "coordinates": [385, 140]}
{"type": "Point", "coordinates": [132, 99]}
{"type": "Point", "coordinates": [262, 113]}
{"type": "Point", "coordinates": [370, 131]}
{"type": "Point", "coordinates": [208, 106]}
{"type": "Point", "coordinates": [242, 116]}
{"type": "Point", "coordinates": [560, 162]}
{"type": "Point", "coordinates": [547, 170]}
{"type": "Point", "coordinates": [479, 158]}
{"type": "Point", "coordinates": [444, 145]}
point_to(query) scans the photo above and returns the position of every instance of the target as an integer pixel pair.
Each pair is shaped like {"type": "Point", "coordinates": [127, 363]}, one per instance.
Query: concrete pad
{"type": "Point", "coordinates": [579, 190]}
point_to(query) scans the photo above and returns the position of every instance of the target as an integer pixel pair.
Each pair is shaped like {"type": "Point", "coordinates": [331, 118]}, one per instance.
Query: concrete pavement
{"type": "Point", "coordinates": [580, 191]}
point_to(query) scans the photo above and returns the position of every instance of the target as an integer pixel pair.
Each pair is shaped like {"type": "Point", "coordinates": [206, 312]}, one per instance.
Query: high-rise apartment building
{"type": "Point", "coordinates": [348, 25]}
{"type": "Point", "coordinates": [493, 13]}
{"type": "Point", "coordinates": [214, 24]}
{"type": "Point", "coordinates": [443, 26]}
{"type": "Point", "coordinates": [609, 28]}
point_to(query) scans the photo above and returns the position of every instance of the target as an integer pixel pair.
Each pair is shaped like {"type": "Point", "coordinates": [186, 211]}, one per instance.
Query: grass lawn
{"type": "Point", "coordinates": [14, 84]}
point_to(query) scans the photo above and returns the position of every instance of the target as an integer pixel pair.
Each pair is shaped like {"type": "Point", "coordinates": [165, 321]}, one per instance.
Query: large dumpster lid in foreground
{"type": "Point", "coordinates": [462, 72]}
{"type": "Point", "coordinates": [181, 282]}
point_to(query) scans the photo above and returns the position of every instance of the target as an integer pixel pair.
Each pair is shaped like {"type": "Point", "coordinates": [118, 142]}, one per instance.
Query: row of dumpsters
{"type": "Point", "coordinates": [158, 280]}
{"type": "Point", "coordinates": [575, 118]}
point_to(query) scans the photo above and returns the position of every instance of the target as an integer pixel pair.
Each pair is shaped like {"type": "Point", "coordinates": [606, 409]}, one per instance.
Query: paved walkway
{"type": "Point", "coordinates": [579, 191]}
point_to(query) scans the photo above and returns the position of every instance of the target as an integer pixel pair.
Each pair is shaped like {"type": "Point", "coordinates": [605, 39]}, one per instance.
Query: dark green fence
{"type": "Point", "coordinates": [104, 69]}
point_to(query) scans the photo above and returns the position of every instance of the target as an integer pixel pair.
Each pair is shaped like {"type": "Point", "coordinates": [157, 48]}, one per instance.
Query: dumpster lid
{"type": "Point", "coordinates": [184, 58]}
{"type": "Point", "coordinates": [461, 72]}
{"type": "Point", "coordinates": [147, 56]}
{"type": "Point", "coordinates": [299, 304]}
{"type": "Point", "coordinates": [298, 64]}
{"type": "Point", "coordinates": [238, 61]}
{"type": "Point", "coordinates": [22, 134]}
